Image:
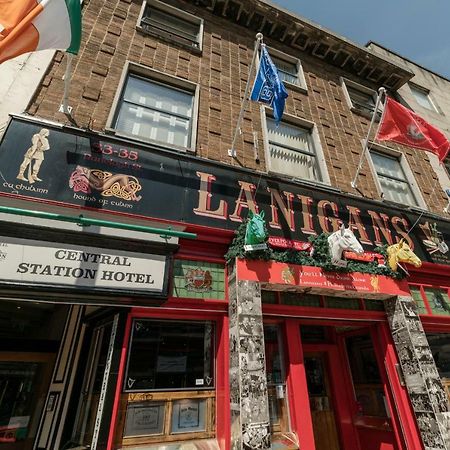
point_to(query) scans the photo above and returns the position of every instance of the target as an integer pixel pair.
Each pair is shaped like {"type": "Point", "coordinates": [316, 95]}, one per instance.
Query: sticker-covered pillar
{"type": "Point", "coordinates": [248, 383]}
{"type": "Point", "coordinates": [422, 380]}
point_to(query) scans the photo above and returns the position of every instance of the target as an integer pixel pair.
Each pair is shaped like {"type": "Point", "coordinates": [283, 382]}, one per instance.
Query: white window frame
{"type": "Point", "coordinates": [296, 121]}
{"type": "Point", "coordinates": [166, 35]}
{"type": "Point", "coordinates": [446, 164]}
{"type": "Point", "coordinates": [167, 80]}
{"type": "Point", "coordinates": [301, 86]}
{"type": "Point", "coordinates": [364, 89]}
{"type": "Point", "coordinates": [410, 179]}
{"type": "Point", "coordinates": [433, 106]}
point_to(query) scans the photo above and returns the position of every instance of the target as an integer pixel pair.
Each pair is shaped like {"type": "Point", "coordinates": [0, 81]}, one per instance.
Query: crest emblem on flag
{"type": "Point", "coordinates": [401, 125]}
{"type": "Point", "coordinates": [414, 132]}
{"type": "Point", "coordinates": [268, 87]}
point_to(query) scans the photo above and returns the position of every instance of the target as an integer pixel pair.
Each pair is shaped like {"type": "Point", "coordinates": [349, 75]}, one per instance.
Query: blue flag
{"type": "Point", "coordinates": [268, 87]}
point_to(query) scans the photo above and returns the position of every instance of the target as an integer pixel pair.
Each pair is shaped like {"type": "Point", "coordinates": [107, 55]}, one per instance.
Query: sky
{"type": "Point", "coordinates": [416, 29]}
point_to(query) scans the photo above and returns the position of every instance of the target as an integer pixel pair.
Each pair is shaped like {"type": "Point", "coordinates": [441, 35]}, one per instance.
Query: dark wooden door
{"type": "Point", "coordinates": [321, 401]}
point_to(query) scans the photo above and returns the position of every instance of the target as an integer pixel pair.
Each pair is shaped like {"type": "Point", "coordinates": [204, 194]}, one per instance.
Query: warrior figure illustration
{"type": "Point", "coordinates": [35, 152]}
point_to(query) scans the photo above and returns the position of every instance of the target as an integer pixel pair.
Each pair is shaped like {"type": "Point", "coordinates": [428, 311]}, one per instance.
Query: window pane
{"type": "Point", "coordinates": [157, 96]}
{"type": "Point", "coordinates": [188, 415]}
{"type": "Point", "coordinates": [313, 334]}
{"type": "Point", "coordinates": [366, 376]}
{"type": "Point", "coordinates": [440, 348]}
{"type": "Point", "coordinates": [152, 111]}
{"type": "Point", "coordinates": [422, 98]}
{"type": "Point", "coordinates": [168, 22]}
{"type": "Point", "coordinates": [287, 71]}
{"type": "Point", "coordinates": [392, 179]}
{"type": "Point", "coordinates": [342, 303]}
{"type": "Point", "coordinates": [269, 297]}
{"type": "Point", "coordinates": [144, 418]}
{"type": "Point", "coordinates": [447, 165]}
{"type": "Point", "coordinates": [360, 98]}
{"type": "Point", "coordinates": [438, 300]}
{"type": "Point", "coordinates": [166, 355]}
{"type": "Point", "coordinates": [374, 305]}
{"type": "Point", "coordinates": [154, 125]}
{"type": "Point", "coordinates": [297, 299]}
{"type": "Point", "coordinates": [387, 166]}
{"type": "Point", "coordinates": [397, 191]}
{"type": "Point", "coordinates": [273, 357]}
{"type": "Point", "coordinates": [291, 151]}
{"type": "Point", "coordinates": [276, 380]}
{"type": "Point", "coordinates": [288, 135]}
{"type": "Point", "coordinates": [18, 384]}
{"type": "Point", "coordinates": [417, 297]}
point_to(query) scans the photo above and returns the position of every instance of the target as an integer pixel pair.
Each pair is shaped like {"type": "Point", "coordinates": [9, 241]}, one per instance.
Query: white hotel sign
{"type": "Point", "coordinates": [24, 261]}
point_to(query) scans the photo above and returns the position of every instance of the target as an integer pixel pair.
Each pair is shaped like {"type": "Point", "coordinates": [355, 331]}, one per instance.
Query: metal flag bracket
{"type": "Point", "coordinates": [238, 130]}
{"type": "Point", "coordinates": [381, 92]}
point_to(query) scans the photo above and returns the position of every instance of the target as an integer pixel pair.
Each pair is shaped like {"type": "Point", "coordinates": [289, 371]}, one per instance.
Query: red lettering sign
{"type": "Point", "coordinates": [280, 242]}
{"type": "Point", "coordinates": [321, 282]}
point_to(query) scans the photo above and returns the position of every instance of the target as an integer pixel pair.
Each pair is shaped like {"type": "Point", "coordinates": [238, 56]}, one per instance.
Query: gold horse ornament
{"type": "Point", "coordinates": [401, 252]}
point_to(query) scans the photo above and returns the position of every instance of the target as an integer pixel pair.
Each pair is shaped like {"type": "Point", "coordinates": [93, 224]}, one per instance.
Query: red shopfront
{"type": "Point", "coordinates": [330, 359]}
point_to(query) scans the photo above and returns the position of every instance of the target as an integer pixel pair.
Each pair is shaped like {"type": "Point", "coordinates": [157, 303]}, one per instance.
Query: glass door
{"type": "Point", "coordinates": [92, 385]}
{"type": "Point", "coordinates": [321, 401]}
{"type": "Point", "coordinates": [24, 379]}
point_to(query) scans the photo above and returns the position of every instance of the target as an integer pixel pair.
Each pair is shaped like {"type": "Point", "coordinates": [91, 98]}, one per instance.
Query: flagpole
{"type": "Point", "coordinates": [381, 92]}
{"type": "Point", "coordinates": [67, 77]}
{"type": "Point", "coordinates": [232, 150]}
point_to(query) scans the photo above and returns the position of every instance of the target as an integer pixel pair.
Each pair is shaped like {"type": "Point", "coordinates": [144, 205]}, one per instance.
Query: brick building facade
{"type": "Point", "coordinates": [170, 344]}
{"type": "Point", "coordinates": [111, 39]}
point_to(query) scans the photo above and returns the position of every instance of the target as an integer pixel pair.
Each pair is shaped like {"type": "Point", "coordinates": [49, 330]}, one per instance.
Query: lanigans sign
{"type": "Point", "coordinates": [46, 263]}
{"type": "Point", "coordinates": [93, 171]}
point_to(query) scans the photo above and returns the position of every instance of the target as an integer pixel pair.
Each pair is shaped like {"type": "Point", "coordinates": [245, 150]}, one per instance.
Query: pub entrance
{"type": "Point", "coordinates": [347, 386]}
{"type": "Point", "coordinates": [30, 336]}
{"type": "Point", "coordinates": [338, 395]}
{"type": "Point", "coordinates": [321, 398]}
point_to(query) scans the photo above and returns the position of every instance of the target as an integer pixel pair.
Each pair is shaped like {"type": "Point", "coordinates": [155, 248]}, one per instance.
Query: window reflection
{"type": "Point", "coordinates": [440, 348]}
{"type": "Point", "coordinates": [165, 355]}
{"type": "Point", "coordinates": [276, 380]}
{"type": "Point", "coordinates": [366, 376]}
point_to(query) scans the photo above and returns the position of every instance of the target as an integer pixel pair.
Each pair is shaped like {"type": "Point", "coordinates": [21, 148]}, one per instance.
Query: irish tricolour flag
{"type": "Point", "coordinates": [31, 25]}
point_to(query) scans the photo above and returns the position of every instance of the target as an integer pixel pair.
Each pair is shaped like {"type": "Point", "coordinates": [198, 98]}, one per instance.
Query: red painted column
{"type": "Point", "coordinates": [297, 388]}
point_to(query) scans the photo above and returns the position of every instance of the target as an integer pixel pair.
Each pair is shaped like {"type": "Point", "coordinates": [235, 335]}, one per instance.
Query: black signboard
{"type": "Point", "coordinates": [74, 167]}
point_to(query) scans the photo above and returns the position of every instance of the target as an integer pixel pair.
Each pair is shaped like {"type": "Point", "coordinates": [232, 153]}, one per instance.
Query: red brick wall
{"type": "Point", "coordinates": [110, 39]}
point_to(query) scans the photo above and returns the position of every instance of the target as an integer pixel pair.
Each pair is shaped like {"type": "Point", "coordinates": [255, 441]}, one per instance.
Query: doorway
{"type": "Point", "coordinates": [30, 337]}
{"type": "Point", "coordinates": [92, 384]}
{"type": "Point", "coordinates": [347, 388]}
{"type": "Point", "coordinates": [321, 401]}
{"type": "Point", "coordinates": [24, 379]}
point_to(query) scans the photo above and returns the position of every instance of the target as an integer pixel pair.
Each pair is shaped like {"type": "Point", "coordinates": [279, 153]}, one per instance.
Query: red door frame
{"type": "Point", "coordinates": [222, 364]}
{"type": "Point", "coordinates": [402, 418]}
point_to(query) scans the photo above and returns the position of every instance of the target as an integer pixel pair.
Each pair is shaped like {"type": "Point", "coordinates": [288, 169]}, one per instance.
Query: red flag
{"type": "Point", "coordinates": [401, 125]}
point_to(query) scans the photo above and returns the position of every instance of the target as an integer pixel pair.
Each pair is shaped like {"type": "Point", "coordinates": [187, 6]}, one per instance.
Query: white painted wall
{"type": "Point", "coordinates": [19, 79]}
{"type": "Point", "coordinates": [439, 88]}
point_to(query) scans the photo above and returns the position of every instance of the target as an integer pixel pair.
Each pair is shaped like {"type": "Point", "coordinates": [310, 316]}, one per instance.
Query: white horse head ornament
{"type": "Point", "coordinates": [341, 240]}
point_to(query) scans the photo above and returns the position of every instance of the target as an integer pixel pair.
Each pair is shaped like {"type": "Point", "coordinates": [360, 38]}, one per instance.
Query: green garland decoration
{"type": "Point", "coordinates": [320, 258]}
